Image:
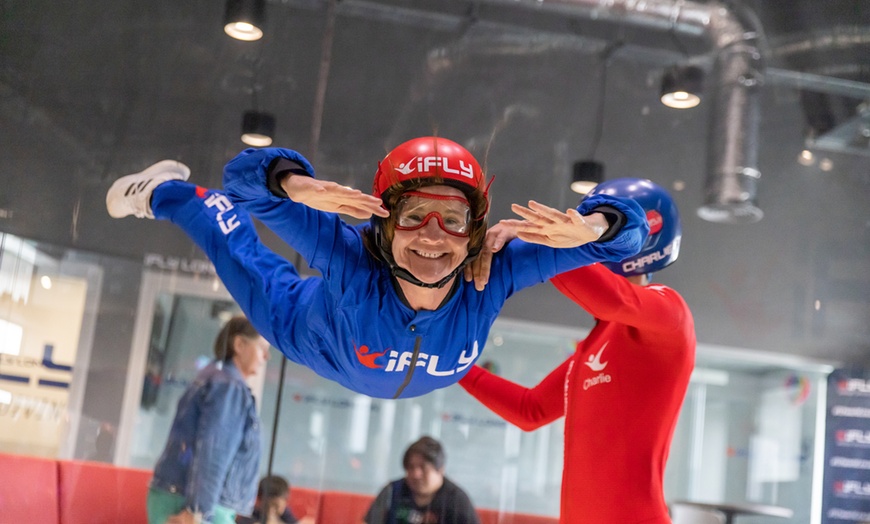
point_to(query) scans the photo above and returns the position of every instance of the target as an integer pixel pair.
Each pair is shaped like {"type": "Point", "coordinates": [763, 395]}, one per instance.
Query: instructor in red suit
{"type": "Point", "coordinates": [622, 389]}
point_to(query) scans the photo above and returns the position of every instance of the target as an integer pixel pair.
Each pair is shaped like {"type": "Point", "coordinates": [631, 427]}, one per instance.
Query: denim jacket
{"type": "Point", "coordinates": [212, 456]}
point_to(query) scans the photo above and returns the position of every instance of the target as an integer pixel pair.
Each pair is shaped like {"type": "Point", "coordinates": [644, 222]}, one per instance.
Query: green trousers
{"type": "Point", "coordinates": [162, 505]}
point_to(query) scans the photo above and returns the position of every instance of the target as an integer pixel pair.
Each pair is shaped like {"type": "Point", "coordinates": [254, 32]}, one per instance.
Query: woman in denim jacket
{"type": "Point", "coordinates": [208, 470]}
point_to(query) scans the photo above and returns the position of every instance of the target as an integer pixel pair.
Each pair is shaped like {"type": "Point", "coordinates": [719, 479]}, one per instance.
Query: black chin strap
{"type": "Point", "coordinates": [404, 274]}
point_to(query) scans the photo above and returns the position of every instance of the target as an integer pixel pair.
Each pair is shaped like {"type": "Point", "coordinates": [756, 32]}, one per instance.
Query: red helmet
{"type": "Point", "coordinates": [426, 161]}
{"type": "Point", "coordinates": [430, 157]}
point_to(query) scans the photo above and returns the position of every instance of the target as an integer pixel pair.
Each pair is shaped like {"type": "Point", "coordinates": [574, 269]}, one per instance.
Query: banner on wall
{"type": "Point", "coordinates": [846, 496]}
{"type": "Point", "coordinates": [33, 403]}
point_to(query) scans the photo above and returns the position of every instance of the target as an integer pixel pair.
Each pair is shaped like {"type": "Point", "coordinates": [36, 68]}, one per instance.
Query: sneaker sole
{"type": "Point", "coordinates": [162, 171]}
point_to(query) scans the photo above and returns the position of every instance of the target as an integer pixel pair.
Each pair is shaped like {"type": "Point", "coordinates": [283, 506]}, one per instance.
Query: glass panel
{"type": "Point", "coordinates": [42, 312]}
{"type": "Point", "coordinates": [80, 379]}
{"type": "Point", "coordinates": [748, 433]}
{"type": "Point", "coordinates": [330, 438]}
{"type": "Point", "coordinates": [181, 343]}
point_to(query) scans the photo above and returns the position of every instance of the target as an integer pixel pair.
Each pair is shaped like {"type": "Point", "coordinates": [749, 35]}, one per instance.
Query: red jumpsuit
{"type": "Point", "coordinates": [620, 392]}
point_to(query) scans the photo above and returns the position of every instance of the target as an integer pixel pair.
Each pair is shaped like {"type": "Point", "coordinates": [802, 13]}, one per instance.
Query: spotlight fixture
{"type": "Point", "coordinates": [587, 174]}
{"type": "Point", "coordinates": [806, 158]}
{"type": "Point", "coordinates": [244, 19]}
{"type": "Point", "coordinates": [258, 128]}
{"type": "Point", "coordinates": [681, 86]}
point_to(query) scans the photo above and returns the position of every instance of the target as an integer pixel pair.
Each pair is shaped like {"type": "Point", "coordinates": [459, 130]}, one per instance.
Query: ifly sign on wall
{"type": "Point", "coordinates": [847, 448]}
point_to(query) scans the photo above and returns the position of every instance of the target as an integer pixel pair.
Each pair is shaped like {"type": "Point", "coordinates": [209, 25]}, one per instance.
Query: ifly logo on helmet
{"type": "Point", "coordinates": [654, 219]}
{"type": "Point", "coordinates": [425, 164]}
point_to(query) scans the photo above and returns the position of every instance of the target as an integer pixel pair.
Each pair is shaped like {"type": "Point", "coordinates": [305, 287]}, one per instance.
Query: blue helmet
{"type": "Point", "coordinates": [662, 246]}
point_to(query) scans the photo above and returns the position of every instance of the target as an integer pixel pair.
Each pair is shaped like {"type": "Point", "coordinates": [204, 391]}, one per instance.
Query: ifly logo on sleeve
{"type": "Point", "coordinates": [226, 216]}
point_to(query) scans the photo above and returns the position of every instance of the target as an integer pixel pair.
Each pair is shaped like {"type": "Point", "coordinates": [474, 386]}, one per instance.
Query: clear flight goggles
{"type": "Point", "coordinates": [415, 209]}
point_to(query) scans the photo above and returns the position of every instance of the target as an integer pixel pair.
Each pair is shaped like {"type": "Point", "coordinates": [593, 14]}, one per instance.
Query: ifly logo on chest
{"type": "Point", "coordinates": [398, 362]}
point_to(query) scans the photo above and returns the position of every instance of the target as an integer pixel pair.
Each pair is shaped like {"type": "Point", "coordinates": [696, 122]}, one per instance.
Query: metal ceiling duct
{"type": "Point", "coordinates": [734, 87]}
{"type": "Point", "coordinates": [737, 75]}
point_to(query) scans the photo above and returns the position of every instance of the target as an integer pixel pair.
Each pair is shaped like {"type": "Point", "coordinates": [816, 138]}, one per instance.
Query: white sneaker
{"type": "Point", "coordinates": [131, 194]}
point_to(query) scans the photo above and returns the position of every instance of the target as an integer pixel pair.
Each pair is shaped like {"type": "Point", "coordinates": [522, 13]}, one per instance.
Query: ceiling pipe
{"type": "Point", "coordinates": [737, 75]}
{"type": "Point", "coordinates": [732, 137]}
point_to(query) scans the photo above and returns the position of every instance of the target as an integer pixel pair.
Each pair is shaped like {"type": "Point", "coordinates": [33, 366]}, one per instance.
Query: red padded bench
{"type": "Point", "coordinates": [492, 516]}
{"type": "Point", "coordinates": [304, 501]}
{"type": "Point", "coordinates": [97, 493]}
{"type": "Point", "coordinates": [337, 507]}
{"type": "Point", "coordinates": [343, 508]}
{"type": "Point", "coordinates": [28, 490]}
{"type": "Point", "coordinates": [48, 491]}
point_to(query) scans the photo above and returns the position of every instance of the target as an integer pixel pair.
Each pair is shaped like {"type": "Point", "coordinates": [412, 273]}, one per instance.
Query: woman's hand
{"type": "Point", "coordinates": [541, 225]}
{"type": "Point", "coordinates": [550, 227]}
{"type": "Point", "coordinates": [496, 238]}
{"type": "Point", "coordinates": [331, 197]}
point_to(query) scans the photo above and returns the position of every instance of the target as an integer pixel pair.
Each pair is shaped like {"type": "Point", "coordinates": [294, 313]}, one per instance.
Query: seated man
{"type": "Point", "coordinates": [273, 499]}
{"type": "Point", "coordinates": [424, 494]}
